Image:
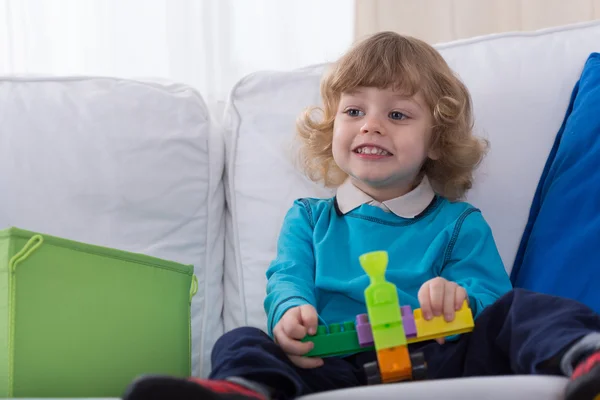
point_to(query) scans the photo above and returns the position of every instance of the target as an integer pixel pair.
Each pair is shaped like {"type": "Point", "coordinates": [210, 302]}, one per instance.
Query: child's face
{"type": "Point", "coordinates": [381, 140]}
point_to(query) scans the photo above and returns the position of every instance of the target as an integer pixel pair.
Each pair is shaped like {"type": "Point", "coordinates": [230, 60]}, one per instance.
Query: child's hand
{"type": "Point", "coordinates": [438, 296]}
{"type": "Point", "coordinates": [291, 328]}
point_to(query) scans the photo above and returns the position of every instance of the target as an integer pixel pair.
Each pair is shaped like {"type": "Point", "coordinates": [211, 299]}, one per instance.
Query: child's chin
{"type": "Point", "coordinates": [375, 181]}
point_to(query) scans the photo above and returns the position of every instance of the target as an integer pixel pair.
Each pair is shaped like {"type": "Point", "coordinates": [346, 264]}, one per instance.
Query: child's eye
{"type": "Point", "coordinates": [353, 112]}
{"type": "Point", "coordinates": [397, 115]}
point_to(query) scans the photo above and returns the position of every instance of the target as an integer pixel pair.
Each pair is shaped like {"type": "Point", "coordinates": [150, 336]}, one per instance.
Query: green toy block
{"type": "Point", "coordinates": [381, 298]}
{"type": "Point", "coordinates": [390, 335]}
{"type": "Point", "coordinates": [341, 339]}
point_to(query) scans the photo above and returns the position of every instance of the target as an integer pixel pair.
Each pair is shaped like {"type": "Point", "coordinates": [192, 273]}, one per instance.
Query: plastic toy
{"type": "Point", "coordinates": [341, 339]}
{"type": "Point", "coordinates": [351, 337]}
{"type": "Point", "coordinates": [387, 328]}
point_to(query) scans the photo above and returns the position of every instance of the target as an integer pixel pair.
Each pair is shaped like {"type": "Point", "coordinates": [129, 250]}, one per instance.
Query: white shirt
{"type": "Point", "coordinates": [409, 205]}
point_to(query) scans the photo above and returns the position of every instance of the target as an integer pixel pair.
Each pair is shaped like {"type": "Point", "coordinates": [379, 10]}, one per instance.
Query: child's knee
{"type": "Point", "coordinates": [237, 338]}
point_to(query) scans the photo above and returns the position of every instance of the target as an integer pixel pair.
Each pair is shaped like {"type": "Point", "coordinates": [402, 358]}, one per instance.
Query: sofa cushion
{"type": "Point", "coordinates": [262, 182]}
{"type": "Point", "coordinates": [119, 163]}
{"type": "Point", "coordinates": [559, 251]}
{"type": "Point", "coordinates": [520, 84]}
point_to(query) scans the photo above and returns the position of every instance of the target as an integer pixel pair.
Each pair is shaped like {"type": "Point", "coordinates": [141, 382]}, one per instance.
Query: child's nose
{"type": "Point", "coordinates": [371, 126]}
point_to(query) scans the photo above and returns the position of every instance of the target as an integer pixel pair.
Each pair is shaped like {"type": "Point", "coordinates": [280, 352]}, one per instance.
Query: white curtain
{"type": "Point", "coordinates": [209, 44]}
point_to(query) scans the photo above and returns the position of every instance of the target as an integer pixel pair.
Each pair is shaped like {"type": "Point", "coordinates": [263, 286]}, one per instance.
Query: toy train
{"type": "Point", "coordinates": [387, 328]}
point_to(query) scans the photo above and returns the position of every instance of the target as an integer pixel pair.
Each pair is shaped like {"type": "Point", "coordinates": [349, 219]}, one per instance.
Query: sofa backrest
{"type": "Point", "coordinates": [119, 163]}
{"type": "Point", "coordinates": [520, 83]}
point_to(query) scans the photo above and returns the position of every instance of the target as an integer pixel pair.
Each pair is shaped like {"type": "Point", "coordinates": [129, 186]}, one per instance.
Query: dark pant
{"type": "Point", "coordinates": [522, 333]}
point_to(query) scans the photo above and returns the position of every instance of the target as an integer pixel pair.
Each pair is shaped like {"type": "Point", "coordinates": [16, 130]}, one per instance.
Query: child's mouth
{"type": "Point", "coordinates": [372, 152]}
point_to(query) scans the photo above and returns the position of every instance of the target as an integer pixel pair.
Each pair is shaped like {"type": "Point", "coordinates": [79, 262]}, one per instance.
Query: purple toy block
{"type": "Point", "coordinates": [363, 330]}
{"type": "Point", "coordinates": [408, 321]}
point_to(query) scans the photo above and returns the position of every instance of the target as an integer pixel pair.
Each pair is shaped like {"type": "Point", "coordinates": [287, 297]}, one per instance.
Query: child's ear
{"type": "Point", "coordinates": [433, 153]}
{"type": "Point", "coordinates": [434, 146]}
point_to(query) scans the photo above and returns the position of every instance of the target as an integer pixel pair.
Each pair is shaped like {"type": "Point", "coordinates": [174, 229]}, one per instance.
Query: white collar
{"type": "Point", "coordinates": [409, 205]}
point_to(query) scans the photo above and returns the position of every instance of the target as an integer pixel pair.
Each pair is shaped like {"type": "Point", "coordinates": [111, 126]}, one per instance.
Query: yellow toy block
{"type": "Point", "coordinates": [437, 327]}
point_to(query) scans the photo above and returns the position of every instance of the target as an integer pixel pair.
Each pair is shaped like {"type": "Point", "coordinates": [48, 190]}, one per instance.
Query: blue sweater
{"type": "Point", "coordinates": [318, 249]}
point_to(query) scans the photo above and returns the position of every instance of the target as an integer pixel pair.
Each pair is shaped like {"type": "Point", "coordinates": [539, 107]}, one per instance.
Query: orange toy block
{"type": "Point", "coordinates": [394, 364]}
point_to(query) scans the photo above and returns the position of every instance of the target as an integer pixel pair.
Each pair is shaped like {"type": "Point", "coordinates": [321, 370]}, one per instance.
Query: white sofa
{"type": "Point", "coordinates": [141, 166]}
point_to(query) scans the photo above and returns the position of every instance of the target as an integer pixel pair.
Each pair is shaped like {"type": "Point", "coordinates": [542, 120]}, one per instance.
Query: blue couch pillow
{"type": "Point", "coordinates": [559, 252]}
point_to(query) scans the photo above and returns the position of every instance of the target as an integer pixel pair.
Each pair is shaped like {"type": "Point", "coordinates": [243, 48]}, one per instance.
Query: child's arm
{"type": "Point", "coordinates": [291, 275]}
{"type": "Point", "coordinates": [473, 262]}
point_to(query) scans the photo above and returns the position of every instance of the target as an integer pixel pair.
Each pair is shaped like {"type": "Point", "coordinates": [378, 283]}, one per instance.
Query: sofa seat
{"type": "Point", "coordinates": [518, 387]}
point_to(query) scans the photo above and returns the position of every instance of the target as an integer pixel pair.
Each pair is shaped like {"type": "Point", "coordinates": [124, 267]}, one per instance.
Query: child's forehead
{"type": "Point", "coordinates": [390, 91]}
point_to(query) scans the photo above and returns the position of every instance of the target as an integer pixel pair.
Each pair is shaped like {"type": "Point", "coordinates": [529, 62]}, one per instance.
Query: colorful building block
{"type": "Point", "coordinates": [363, 330]}
{"type": "Point", "coordinates": [386, 327]}
{"type": "Point", "coordinates": [438, 327]}
{"type": "Point", "coordinates": [362, 337]}
{"type": "Point", "coordinates": [394, 364]}
{"type": "Point", "coordinates": [334, 340]}
{"type": "Point", "coordinates": [365, 334]}
{"type": "Point", "coordinates": [408, 320]}
{"type": "Point", "coordinates": [381, 298]}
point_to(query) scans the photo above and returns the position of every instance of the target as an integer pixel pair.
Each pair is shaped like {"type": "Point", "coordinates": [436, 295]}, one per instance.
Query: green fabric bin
{"type": "Point", "coordinates": [78, 320]}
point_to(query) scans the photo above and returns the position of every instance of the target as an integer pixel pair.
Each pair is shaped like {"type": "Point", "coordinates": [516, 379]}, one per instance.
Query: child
{"type": "Point", "coordinates": [395, 138]}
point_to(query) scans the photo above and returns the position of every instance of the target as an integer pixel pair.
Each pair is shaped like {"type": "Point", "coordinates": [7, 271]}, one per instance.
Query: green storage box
{"type": "Point", "coordinates": [78, 320]}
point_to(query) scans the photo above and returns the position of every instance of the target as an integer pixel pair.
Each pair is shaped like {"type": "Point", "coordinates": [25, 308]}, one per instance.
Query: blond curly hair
{"type": "Point", "coordinates": [407, 64]}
